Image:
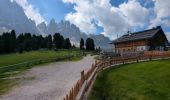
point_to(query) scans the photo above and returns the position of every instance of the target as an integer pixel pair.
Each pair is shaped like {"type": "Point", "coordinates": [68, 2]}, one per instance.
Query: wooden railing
{"type": "Point", "coordinates": [153, 53]}
{"type": "Point", "coordinates": [81, 86]}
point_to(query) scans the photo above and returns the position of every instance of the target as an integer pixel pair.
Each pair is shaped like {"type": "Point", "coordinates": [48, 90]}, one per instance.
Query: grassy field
{"type": "Point", "coordinates": [139, 81]}
{"type": "Point", "coordinates": [12, 64]}
{"type": "Point", "coordinates": [10, 59]}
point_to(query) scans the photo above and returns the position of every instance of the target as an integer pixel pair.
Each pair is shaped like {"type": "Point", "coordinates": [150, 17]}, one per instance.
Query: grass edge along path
{"type": "Point", "coordinates": [138, 81]}
{"type": "Point", "coordinates": [39, 57]}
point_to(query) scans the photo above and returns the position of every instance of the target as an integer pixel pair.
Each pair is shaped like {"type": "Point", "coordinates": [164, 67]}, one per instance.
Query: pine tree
{"type": "Point", "coordinates": [12, 41]}
{"type": "Point", "coordinates": [67, 44]}
{"type": "Point", "coordinates": [6, 42]}
{"type": "Point", "coordinates": [90, 44]}
{"type": "Point", "coordinates": [20, 43]}
{"type": "Point", "coordinates": [27, 42]}
{"type": "Point", "coordinates": [61, 41]}
{"type": "Point", "coordinates": [0, 44]}
{"type": "Point", "coordinates": [58, 41]}
{"type": "Point", "coordinates": [81, 44]}
{"type": "Point", "coordinates": [49, 42]}
{"type": "Point", "coordinates": [35, 45]}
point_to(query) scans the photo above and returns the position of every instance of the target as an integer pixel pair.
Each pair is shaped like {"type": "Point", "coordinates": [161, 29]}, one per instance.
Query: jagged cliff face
{"type": "Point", "coordinates": [102, 41]}
{"type": "Point", "coordinates": [12, 16]}
{"type": "Point", "coordinates": [71, 31]}
{"type": "Point", "coordinates": [51, 28]}
{"type": "Point", "coordinates": [64, 28]}
{"type": "Point", "coordinates": [42, 27]}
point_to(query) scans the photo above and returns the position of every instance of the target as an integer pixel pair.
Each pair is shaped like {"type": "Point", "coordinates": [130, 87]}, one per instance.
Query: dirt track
{"type": "Point", "coordinates": [49, 82]}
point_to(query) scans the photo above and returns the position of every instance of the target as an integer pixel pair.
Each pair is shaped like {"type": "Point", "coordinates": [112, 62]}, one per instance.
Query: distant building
{"type": "Point", "coordinates": [152, 39]}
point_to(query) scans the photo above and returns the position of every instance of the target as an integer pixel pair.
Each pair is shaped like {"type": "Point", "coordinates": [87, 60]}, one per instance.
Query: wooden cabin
{"type": "Point", "coordinates": [152, 39]}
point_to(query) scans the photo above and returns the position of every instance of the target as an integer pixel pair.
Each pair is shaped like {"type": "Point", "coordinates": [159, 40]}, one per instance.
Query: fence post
{"type": "Point", "coordinates": [82, 77]}
{"type": "Point", "coordinates": [110, 63]}
{"type": "Point", "coordinates": [78, 85]}
{"type": "Point", "coordinates": [92, 65]}
{"type": "Point", "coordinates": [137, 59]}
{"type": "Point", "coordinates": [150, 57]}
{"type": "Point", "coordinates": [67, 97]}
{"type": "Point", "coordinates": [95, 62]}
{"type": "Point", "coordinates": [72, 94]}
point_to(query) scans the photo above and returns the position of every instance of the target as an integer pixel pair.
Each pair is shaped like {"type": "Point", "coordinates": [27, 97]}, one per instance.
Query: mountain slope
{"type": "Point", "coordinates": [51, 27]}
{"type": "Point", "coordinates": [102, 41]}
{"type": "Point", "coordinates": [69, 30]}
{"type": "Point", "coordinates": [42, 27]}
{"type": "Point", "coordinates": [12, 16]}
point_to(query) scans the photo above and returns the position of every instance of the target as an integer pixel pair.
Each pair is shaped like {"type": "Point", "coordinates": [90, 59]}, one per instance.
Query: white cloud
{"type": "Point", "coordinates": [82, 21]}
{"type": "Point", "coordinates": [83, 17]}
{"type": "Point", "coordinates": [90, 13]}
{"type": "Point", "coordinates": [30, 11]}
{"type": "Point", "coordinates": [136, 14]}
{"type": "Point", "coordinates": [162, 12]}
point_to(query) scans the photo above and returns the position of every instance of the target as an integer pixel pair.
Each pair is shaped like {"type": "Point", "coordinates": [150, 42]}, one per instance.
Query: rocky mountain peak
{"type": "Point", "coordinates": [71, 31]}
{"type": "Point", "coordinates": [13, 17]}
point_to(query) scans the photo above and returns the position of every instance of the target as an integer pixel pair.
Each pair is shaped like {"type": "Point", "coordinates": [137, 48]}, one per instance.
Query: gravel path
{"type": "Point", "coordinates": [49, 82]}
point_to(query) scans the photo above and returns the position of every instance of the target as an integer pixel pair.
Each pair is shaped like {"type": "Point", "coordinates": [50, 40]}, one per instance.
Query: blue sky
{"type": "Point", "coordinates": [52, 9]}
{"type": "Point", "coordinates": [108, 17]}
{"type": "Point", "coordinates": [57, 9]}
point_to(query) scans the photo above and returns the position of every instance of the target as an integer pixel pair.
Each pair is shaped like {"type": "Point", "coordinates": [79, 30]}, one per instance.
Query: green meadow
{"type": "Point", "coordinates": [12, 64]}
{"type": "Point", "coordinates": [139, 81]}
{"type": "Point", "coordinates": [16, 58]}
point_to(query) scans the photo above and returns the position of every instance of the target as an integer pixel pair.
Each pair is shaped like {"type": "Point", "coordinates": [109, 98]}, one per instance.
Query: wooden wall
{"type": "Point", "coordinates": [132, 44]}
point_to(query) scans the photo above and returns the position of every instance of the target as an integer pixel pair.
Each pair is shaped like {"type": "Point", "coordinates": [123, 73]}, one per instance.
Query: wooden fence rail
{"type": "Point", "coordinates": [82, 83]}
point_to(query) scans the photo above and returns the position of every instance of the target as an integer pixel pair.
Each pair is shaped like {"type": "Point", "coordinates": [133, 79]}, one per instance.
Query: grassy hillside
{"type": "Point", "coordinates": [140, 81]}
{"type": "Point", "coordinates": [12, 64]}
{"type": "Point", "coordinates": [10, 59]}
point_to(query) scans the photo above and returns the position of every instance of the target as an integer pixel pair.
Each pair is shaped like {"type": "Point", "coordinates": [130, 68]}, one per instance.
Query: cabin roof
{"type": "Point", "coordinates": [142, 35]}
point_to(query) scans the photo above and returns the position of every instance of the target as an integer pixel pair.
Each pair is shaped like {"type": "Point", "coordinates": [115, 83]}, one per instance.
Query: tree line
{"type": "Point", "coordinates": [9, 42]}
{"type": "Point", "coordinates": [90, 46]}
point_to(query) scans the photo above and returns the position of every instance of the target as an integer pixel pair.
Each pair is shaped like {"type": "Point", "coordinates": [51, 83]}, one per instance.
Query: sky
{"type": "Point", "coordinates": [109, 17]}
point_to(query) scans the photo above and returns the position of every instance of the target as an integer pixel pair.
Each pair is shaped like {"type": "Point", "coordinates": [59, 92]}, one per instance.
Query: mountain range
{"type": "Point", "coordinates": [69, 30]}
{"type": "Point", "coordinates": [12, 16]}
{"type": "Point", "coordinates": [15, 18]}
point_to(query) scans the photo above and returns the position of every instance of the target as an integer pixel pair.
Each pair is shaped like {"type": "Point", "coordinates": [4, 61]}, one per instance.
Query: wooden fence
{"type": "Point", "coordinates": [157, 53]}
{"type": "Point", "coordinates": [78, 90]}
{"type": "Point", "coordinates": [79, 84]}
